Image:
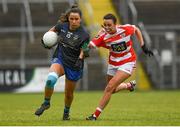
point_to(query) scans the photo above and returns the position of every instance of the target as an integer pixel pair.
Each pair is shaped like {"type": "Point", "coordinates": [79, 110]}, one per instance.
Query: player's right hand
{"type": "Point", "coordinates": [147, 51]}
{"type": "Point", "coordinates": [86, 52]}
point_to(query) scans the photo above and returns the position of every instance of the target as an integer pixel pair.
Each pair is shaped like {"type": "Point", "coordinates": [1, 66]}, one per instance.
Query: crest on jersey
{"type": "Point", "coordinates": [69, 34]}
{"type": "Point", "coordinates": [119, 47]}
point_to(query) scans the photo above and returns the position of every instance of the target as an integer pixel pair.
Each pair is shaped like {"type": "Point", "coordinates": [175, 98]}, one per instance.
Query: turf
{"type": "Point", "coordinates": [125, 108]}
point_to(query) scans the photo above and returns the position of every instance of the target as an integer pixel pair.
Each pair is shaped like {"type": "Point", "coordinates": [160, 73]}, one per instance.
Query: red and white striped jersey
{"type": "Point", "coordinates": [119, 44]}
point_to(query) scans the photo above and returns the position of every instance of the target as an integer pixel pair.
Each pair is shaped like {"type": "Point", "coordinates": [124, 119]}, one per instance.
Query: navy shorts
{"type": "Point", "coordinates": [70, 74]}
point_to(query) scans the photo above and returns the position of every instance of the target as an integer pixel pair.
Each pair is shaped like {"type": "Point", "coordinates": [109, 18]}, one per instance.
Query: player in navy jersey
{"type": "Point", "coordinates": [68, 58]}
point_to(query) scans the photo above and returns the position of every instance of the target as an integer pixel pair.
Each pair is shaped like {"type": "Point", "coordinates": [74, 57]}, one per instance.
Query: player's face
{"type": "Point", "coordinates": [109, 26]}
{"type": "Point", "coordinates": [74, 20]}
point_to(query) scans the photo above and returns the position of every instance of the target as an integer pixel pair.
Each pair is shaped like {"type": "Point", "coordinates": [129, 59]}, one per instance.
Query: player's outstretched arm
{"type": "Point", "coordinates": [53, 29]}
{"type": "Point", "coordinates": [145, 49]}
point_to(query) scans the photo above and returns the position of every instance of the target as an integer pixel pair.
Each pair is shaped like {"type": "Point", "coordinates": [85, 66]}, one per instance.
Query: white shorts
{"type": "Point", "coordinates": [127, 67]}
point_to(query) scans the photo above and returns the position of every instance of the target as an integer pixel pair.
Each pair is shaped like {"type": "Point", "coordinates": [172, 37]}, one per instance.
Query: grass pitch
{"type": "Point", "coordinates": [125, 108]}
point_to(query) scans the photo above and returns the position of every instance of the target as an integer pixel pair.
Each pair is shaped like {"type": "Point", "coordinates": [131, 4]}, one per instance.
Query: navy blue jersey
{"type": "Point", "coordinates": [70, 44]}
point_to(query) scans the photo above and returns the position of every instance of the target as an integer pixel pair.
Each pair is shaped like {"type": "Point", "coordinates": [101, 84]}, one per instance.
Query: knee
{"type": "Point", "coordinates": [51, 81]}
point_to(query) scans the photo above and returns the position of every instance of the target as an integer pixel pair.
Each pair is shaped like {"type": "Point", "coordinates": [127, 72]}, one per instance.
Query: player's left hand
{"type": "Point", "coordinates": [86, 52]}
{"type": "Point", "coordinates": [147, 51]}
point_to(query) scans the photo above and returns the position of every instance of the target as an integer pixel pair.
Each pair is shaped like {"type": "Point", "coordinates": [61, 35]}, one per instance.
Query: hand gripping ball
{"type": "Point", "coordinates": [50, 38]}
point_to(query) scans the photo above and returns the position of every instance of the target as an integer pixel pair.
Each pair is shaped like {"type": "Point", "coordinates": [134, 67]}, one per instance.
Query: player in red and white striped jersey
{"type": "Point", "coordinates": [122, 57]}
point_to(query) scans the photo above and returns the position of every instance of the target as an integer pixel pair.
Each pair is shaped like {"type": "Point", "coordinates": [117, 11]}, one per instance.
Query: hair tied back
{"type": "Point", "coordinates": [74, 6]}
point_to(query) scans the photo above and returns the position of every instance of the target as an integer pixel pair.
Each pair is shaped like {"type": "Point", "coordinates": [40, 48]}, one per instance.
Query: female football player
{"type": "Point", "coordinates": [67, 59]}
{"type": "Point", "coordinates": [122, 58]}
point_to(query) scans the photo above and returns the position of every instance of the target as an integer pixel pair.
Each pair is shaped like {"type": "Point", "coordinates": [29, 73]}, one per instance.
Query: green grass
{"type": "Point", "coordinates": [125, 108]}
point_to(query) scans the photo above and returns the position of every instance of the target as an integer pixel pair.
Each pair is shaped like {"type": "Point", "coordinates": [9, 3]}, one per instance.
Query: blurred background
{"type": "Point", "coordinates": [24, 62]}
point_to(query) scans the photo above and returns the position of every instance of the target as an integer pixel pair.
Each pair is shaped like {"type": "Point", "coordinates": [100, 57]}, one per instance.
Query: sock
{"type": "Point", "coordinates": [97, 112]}
{"type": "Point", "coordinates": [66, 109]}
{"type": "Point", "coordinates": [47, 95]}
{"type": "Point", "coordinates": [47, 101]}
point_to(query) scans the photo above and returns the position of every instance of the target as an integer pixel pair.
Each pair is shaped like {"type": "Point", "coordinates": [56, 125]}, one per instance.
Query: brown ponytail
{"type": "Point", "coordinates": [74, 6]}
{"type": "Point", "coordinates": [63, 18]}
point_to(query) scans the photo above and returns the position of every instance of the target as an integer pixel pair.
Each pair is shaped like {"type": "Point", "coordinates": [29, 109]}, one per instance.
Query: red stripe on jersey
{"type": "Point", "coordinates": [128, 43]}
{"type": "Point", "coordinates": [98, 41]}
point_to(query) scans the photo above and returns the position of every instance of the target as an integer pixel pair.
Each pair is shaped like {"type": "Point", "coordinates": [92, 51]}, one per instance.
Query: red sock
{"type": "Point", "coordinates": [97, 112]}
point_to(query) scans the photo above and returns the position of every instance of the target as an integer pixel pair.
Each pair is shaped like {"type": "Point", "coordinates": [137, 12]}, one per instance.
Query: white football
{"type": "Point", "coordinates": [50, 38]}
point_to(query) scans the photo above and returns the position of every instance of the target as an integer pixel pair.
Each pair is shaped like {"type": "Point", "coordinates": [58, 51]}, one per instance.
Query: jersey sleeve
{"type": "Point", "coordinates": [98, 41]}
{"type": "Point", "coordinates": [85, 47]}
{"type": "Point", "coordinates": [130, 29]}
{"type": "Point", "coordinates": [58, 27]}
{"type": "Point", "coordinates": [85, 43]}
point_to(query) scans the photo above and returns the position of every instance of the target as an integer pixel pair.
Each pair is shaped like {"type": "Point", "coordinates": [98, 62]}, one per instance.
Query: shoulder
{"type": "Point", "coordinates": [83, 32]}
{"type": "Point", "coordinates": [83, 29]}
{"type": "Point", "coordinates": [100, 36]}
{"type": "Point", "coordinates": [61, 25]}
{"type": "Point", "coordinates": [101, 33]}
{"type": "Point", "coordinates": [129, 28]}
{"type": "Point", "coordinates": [126, 26]}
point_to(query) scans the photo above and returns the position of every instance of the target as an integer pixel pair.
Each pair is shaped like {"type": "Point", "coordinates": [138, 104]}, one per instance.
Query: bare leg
{"type": "Point", "coordinates": [122, 86]}
{"type": "Point", "coordinates": [113, 83]}
{"type": "Point", "coordinates": [125, 86]}
{"type": "Point", "coordinates": [58, 69]}
{"type": "Point", "coordinates": [119, 77]}
{"type": "Point", "coordinates": [55, 71]}
{"type": "Point", "coordinates": [69, 90]}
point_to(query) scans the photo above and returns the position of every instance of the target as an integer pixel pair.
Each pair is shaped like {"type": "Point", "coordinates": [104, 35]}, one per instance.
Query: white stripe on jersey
{"type": "Point", "coordinates": [92, 44]}
{"type": "Point", "coordinates": [126, 39]}
{"type": "Point", "coordinates": [119, 31]}
{"type": "Point", "coordinates": [118, 59]}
